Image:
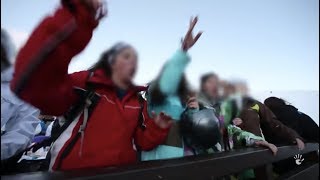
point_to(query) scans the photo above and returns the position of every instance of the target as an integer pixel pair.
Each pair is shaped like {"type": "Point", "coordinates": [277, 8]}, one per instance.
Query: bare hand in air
{"type": "Point", "coordinates": [98, 8]}
{"type": "Point", "coordinates": [188, 41]}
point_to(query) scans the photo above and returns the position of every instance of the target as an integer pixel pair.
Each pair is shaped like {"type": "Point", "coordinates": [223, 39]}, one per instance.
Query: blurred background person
{"type": "Point", "coordinates": [241, 87]}
{"type": "Point", "coordinates": [209, 90]}
{"type": "Point", "coordinates": [293, 118]}
{"type": "Point", "coordinates": [171, 94]}
{"type": "Point", "coordinates": [300, 122]}
{"type": "Point", "coordinates": [254, 117]}
{"type": "Point", "coordinates": [228, 89]}
{"type": "Point", "coordinates": [18, 119]}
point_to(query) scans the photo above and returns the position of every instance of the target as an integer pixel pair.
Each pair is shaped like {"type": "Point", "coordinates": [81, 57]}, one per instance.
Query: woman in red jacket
{"type": "Point", "coordinates": [99, 137]}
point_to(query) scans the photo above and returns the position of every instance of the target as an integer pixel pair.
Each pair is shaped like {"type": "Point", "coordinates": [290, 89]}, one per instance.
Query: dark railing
{"type": "Point", "coordinates": [195, 167]}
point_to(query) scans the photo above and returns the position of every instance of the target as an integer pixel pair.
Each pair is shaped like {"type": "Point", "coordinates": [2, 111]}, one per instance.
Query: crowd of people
{"type": "Point", "coordinates": [136, 123]}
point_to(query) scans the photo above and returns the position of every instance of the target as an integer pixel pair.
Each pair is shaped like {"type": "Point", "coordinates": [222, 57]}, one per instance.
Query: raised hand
{"type": "Point", "coordinates": [193, 103]}
{"type": "Point", "coordinates": [162, 120]}
{"type": "Point", "coordinates": [98, 8]}
{"type": "Point", "coordinates": [188, 41]}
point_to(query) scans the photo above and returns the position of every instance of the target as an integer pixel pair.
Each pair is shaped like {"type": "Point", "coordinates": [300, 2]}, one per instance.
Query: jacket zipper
{"type": "Point", "coordinates": [69, 147]}
{"type": "Point", "coordinates": [84, 125]}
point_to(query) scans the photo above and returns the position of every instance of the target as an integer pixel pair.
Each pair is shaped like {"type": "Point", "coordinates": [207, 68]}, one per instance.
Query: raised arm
{"type": "Point", "coordinates": [41, 70]}
{"type": "Point", "coordinates": [172, 73]}
{"type": "Point", "coordinates": [173, 70]}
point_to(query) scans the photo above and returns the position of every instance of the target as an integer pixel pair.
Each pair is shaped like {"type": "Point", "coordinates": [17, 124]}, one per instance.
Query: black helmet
{"type": "Point", "coordinates": [200, 129]}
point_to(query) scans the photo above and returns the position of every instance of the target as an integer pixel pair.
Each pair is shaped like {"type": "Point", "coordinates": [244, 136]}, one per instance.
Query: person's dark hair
{"type": "Point", "coordinates": [107, 58]}
{"type": "Point", "coordinates": [4, 56]}
{"type": "Point", "coordinates": [103, 63]}
{"type": "Point", "coordinates": [184, 92]}
{"type": "Point", "coordinates": [274, 103]}
{"type": "Point", "coordinates": [7, 50]}
{"type": "Point", "coordinates": [204, 78]}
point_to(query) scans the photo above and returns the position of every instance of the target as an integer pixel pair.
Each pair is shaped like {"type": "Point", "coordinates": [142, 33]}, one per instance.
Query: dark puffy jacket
{"type": "Point", "coordinates": [300, 122]}
{"type": "Point", "coordinates": [259, 120]}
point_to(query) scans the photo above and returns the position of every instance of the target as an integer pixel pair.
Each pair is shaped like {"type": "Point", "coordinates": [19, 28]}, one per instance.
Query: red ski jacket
{"type": "Point", "coordinates": [41, 78]}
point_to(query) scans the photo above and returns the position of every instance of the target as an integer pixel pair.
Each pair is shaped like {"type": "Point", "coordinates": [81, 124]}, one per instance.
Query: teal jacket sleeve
{"type": "Point", "coordinates": [172, 72]}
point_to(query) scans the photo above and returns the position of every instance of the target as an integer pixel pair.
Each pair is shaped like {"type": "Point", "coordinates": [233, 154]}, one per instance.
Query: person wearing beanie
{"type": "Point", "coordinates": [99, 103]}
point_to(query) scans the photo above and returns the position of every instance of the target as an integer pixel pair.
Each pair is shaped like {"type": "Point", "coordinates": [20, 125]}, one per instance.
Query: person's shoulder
{"type": "Point", "coordinates": [11, 101]}
{"type": "Point", "coordinates": [79, 75]}
{"type": "Point", "coordinates": [290, 107]}
{"type": "Point", "coordinates": [79, 78]}
{"type": "Point", "coordinates": [7, 96]}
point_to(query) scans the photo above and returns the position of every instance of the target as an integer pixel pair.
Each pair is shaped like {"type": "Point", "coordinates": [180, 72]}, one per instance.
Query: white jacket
{"type": "Point", "coordinates": [18, 119]}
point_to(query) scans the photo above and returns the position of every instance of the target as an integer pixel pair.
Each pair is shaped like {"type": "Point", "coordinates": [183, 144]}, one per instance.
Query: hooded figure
{"type": "Point", "coordinates": [18, 119]}
{"type": "Point", "coordinates": [290, 116]}
{"type": "Point", "coordinates": [231, 108]}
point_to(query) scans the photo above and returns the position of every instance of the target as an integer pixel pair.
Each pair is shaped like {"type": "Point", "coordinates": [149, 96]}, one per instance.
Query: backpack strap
{"type": "Point", "coordinates": [142, 124]}
{"type": "Point", "coordinates": [87, 102]}
{"type": "Point", "coordinates": [76, 109]}
{"type": "Point", "coordinates": [70, 115]}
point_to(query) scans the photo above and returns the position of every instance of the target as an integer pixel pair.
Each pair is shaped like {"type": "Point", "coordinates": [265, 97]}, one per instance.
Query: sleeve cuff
{"type": "Point", "coordinates": [156, 130]}
{"type": "Point", "coordinates": [182, 56]}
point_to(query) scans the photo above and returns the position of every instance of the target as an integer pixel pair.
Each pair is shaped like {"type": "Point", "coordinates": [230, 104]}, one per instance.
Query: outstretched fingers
{"type": "Point", "coordinates": [193, 23]}
{"type": "Point", "coordinates": [197, 37]}
{"type": "Point", "coordinates": [189, 40]}
{"type": "Point", "coordinates": [101, 11]}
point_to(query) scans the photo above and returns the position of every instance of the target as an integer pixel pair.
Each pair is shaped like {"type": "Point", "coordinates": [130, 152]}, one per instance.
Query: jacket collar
{"type": "Point", "coordinates": [99, 77]}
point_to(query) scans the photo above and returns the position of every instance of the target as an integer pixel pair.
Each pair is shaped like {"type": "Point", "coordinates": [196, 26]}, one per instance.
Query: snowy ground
{"type": "Point", "coordinates": [305, 101]}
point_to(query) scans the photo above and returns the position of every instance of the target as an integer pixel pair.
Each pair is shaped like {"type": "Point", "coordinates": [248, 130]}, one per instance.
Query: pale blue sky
{"type": "Point", "coordinates": [273, 44]}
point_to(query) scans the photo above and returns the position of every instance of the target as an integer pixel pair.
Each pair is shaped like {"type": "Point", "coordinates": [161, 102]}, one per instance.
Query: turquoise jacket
{"type": "Point", "coordinates": [168, 81]}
